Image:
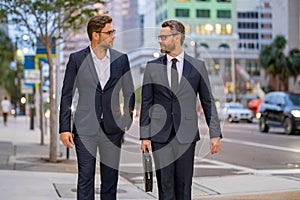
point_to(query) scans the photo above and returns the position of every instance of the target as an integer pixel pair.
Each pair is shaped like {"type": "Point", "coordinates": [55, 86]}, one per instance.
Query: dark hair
{"type": "Point", "coordinates": [175, 26]}
{"type": "Point", "coordinates": [97, 23]}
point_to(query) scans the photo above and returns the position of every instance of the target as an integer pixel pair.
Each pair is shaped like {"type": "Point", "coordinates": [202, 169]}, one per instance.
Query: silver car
{"type": "Point", "coordinates": [235, 112]}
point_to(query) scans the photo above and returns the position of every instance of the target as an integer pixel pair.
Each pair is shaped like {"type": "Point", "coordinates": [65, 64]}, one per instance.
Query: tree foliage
{"type": "Point", "coordinates": [44, 20]}
{"type": "Point", "coordinates": [279, 66]}
{"type": "Point", "coordinates": [6, 57]}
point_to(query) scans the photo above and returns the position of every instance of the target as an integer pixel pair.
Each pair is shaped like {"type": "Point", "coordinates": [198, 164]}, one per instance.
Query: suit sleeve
{"type": "Point", "coordinates": [66, 96]}
{"type": "Point", "coordinates": [208, 103]}
{"type": "Point", "coordinates": [128, 93]}
{"type": "Point", "coordinates": [146, 104]}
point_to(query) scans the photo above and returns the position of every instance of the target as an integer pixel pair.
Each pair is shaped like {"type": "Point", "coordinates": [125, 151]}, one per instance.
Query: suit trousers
{"type": "Point", "coordinates": [109, 147]}
{"type": "Point", "coordinates": [174, 163]}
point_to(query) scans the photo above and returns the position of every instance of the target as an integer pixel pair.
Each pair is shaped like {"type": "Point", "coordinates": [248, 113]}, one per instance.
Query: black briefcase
{"type": "Point", "coordinates": [148, 174]}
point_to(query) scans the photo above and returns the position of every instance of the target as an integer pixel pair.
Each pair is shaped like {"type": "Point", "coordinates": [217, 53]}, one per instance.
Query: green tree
{"type": "Point", "coordinates": [44, 20]}
{"type": "Point", "coordinates": [294, 63]}
{"type": "Point", "coordinates": [6, 57]}
{"type": "Point", "coordinates": [273, 60]}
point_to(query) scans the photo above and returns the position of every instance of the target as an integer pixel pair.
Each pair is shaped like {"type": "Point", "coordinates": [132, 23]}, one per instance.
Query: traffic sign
{"type": "Point", "coordinates": [32, 76]}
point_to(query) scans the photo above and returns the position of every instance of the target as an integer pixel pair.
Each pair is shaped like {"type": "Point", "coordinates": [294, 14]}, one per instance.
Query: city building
{"type": "Point", "coordinates": [229, 48]}
{"type": "Point", "coordinates": [125, 20]}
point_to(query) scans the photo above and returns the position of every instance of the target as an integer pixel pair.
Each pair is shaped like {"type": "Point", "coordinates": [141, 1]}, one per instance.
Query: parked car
{"type": "Point", "coordinates": [280, 109]}
{"type": "Point", "coordinates": [235, 112]}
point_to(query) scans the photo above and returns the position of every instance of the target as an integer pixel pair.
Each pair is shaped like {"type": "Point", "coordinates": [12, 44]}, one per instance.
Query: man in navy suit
{"type": "Point", "coordinates": [100, 75]}
{"type": "Point", "coordinates": [169, 120]}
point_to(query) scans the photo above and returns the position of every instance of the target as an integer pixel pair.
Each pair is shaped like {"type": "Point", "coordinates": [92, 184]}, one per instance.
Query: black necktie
{"type": "Point", "coordinates": [174, 75]}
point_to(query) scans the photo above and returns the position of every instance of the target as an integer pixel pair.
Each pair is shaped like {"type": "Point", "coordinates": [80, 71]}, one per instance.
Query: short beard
{"type": "Point", "coordinates": [164, 51]}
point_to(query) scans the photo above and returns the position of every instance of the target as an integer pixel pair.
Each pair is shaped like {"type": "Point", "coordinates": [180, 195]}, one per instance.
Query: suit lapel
{"type": "Point", "coordinates": [164, 75]}
{"type": "Point", "coordinates": [113, 67]}
{"type": "Point", "coordinates": [186, 72]}
{"type": "Point", "coordinates": [91, 65]}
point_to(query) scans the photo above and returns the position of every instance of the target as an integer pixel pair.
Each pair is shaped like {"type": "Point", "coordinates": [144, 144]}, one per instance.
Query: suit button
{"type": "Point", "coordinates": [102, 92]}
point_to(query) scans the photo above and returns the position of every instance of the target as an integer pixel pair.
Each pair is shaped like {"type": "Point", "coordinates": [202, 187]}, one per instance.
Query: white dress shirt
{"type": "Point", "coordinates": [102, 67]}
{"type": "Point", "coordinates": [179, 65]}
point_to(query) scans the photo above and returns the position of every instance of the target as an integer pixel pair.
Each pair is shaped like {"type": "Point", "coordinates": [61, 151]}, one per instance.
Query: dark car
{"type": "Point", "coordinates": [280, 109]}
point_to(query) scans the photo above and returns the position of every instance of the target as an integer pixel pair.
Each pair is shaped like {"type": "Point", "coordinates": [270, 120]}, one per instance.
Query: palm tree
{"type": "Point", "coordinates": [294, 63]}
{"type": "Point", "coordinates": [273, 60]}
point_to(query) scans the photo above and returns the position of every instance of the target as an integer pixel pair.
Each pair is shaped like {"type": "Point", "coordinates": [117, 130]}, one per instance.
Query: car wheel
{"type": "Point", "coordinates": [263, 127]}
{"type": "Point", "coordinates": [288, 126]}
{"type": "Point", "coordinates": [250, 120]}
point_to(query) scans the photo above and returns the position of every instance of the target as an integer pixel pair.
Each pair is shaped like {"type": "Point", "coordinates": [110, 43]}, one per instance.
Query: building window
{"type": "Point", "coordinates": [223, 29]}
{"type": "Point", "coordinates": [248, 15]}
{"type": "Point", "coordinates": [266, 15]}
{"type": "Point", "coordinates": [267, 5]}
{"type": "Point", "coordinates": [253, 36]}
{"type": "Point", "coordinates": [202, 13]}
{"type": "Point", "coordinates": [204, 29]}
{"type": "Point", "coordinates": [187, 28]}
{"type": "Point", "coordinates": [250, 25]}
{"type": "Point", "coordinates": [266, 26]}
{"type": "Point", "coordinates": [223, 13]}
{"type": "Point", "coordinates": [252, 68]}
{"type": "Point", "coordinates": [224, 1]}
{"type": "Point", "coordinates": [182, 12]}
{"type": "Point", "coordinates": [266, 36]}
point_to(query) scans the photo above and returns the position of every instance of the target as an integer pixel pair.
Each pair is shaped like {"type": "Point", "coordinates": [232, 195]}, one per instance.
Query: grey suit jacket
{"type": "Point", "coordinates": [95, 102]}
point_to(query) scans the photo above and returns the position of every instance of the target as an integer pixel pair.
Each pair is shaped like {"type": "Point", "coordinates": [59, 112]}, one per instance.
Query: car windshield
{"type": "Point", "coordinates": [236, 106]}
{"type": "Point", "coordinates": [295, 98]}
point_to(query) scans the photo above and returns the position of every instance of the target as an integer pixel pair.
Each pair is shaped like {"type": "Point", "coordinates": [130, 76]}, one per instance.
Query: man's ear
{"type": "Point", "coordinates": [96, 35]}
{"type": "Point", "coordinates": [178, 37]}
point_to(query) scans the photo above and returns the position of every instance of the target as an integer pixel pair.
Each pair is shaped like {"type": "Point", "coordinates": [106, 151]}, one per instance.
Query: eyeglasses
{"type": "Point", "coordinates": [164, 37]}
{"type": "Point", "coordinates": [110, 33]}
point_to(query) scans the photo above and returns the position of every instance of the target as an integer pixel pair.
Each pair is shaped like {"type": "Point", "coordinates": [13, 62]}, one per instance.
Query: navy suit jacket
{"type": "Point", "coordinates": [93, 101]}
{"type": "Point", "coordinates": [162, 109]}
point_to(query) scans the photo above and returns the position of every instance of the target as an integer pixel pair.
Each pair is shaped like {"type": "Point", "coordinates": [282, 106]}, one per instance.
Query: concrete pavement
{"type": "Point", "coordinates": [26, 174]}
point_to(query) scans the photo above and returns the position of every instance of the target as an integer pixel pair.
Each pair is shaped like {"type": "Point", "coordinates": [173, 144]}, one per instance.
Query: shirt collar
{"type": "Point", "coordinates": [107, 56]}
{"type": "Point", "coordinates": [179, 57]}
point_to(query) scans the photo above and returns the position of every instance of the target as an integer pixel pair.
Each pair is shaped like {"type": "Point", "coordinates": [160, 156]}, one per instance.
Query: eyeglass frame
{"type": "Point", "coordinates": [110, 33]}
{"type": "Point", "coordinates": [164, 37]}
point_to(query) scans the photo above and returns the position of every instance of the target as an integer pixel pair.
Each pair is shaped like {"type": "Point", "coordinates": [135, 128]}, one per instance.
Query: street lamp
{"type": "Point", "coordinates": [233, 37]}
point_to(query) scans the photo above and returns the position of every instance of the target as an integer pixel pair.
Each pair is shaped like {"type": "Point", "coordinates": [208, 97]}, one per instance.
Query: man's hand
{"type": "Point", "coordinates": [146, 145]}
{"type": "Point", "coordinates": [215, 145]}
{"type": "Point", "coordinates": [67, 139]}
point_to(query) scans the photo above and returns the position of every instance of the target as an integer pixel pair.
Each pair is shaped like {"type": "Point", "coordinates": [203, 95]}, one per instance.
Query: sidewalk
{"type": "Point", "coordinates": [25, 174]}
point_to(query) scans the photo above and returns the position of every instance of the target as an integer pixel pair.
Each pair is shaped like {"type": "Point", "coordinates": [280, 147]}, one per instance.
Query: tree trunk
{"type": "Point", "coordinates": [53, 134]}
{"type": "Point", "coordinates": [41, 104]}
{"type": "Point", "coordinates": [277, 83]}
{"type": "Point", "coordinates": [286, 84]}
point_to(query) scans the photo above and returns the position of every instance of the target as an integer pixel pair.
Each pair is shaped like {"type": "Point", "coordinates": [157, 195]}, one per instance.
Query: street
{"type": "Point", "coordinates": [245, 151]}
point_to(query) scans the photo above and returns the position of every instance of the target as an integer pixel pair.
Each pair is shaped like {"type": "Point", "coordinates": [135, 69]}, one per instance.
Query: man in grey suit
{"type": "Point", "coordinates": [100, 74]}
{"type": "Point", "coordinates": [169, 120]}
